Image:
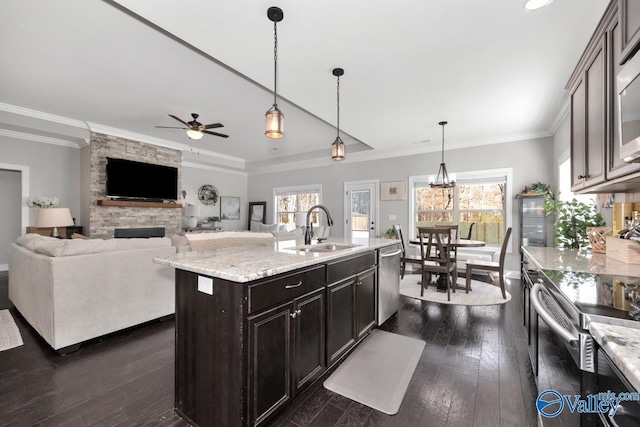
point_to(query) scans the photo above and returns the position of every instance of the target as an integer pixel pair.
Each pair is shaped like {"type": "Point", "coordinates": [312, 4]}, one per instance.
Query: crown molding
{"type": "Point", "coordinates": [42, 116]}
{"type": "Point", "coordinates": [213, 168]}
{"type": "Point", "coordinates": [562, 114]}
{"type": "Point", "coordinates": [365, 156]}
{"type": "Point", "coordinates": [107, 130]}
{"type": "Point", "coordinates": [38, 138]}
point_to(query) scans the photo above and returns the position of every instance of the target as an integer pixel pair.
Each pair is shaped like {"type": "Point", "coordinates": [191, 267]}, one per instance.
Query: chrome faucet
{"type": "Point", "coordinates": [308, 231]}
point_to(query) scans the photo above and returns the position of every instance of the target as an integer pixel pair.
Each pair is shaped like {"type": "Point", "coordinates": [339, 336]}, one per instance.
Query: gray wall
{"type": "Point", "coordinates": [10, 211]}
{"type": "Point", "coordinates": [227, 183]}
{"type": "Point", "coordinates": [532, 160]}
{"type": "Point", "coordinates": [53, 171]}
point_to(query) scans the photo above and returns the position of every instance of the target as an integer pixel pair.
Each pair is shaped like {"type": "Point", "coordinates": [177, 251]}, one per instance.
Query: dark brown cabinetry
{"type": "Point", "coordinates": [588, 142]}
{"type": "Point", "coordinates": [245, 350]}
{"type": "Point", "coordinates": [629, 13]}
{"type": "Point", "coordinates": [286, 353]}
{"type": "Point", "coordinates": [595, 137]}
{"type": "Point", "coordinates": [350, 303]}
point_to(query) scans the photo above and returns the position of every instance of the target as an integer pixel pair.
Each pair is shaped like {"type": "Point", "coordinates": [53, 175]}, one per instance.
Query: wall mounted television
{"type": "Point", "coordinates": [128, 179]}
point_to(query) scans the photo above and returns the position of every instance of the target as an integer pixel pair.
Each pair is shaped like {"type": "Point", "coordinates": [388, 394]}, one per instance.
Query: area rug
{"type": "Point", "coordinates": [9, 333]}
{"type": "Point", "coordinates": [378, 371]}
{"type": "Point", "coordinates": [481, 293]}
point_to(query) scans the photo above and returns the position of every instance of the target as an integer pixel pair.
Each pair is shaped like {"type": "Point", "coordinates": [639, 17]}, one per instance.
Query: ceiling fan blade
{"type": "Point", "coordinates": [214, 125]}
{"type": "Point", "coordinates": [180, 120]}
{"type": "Point", "coordinates": [216, 134]}
{"type": "Point", "coordinates": [169, 127]}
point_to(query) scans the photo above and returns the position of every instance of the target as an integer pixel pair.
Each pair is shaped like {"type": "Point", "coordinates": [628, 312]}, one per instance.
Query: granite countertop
{"type": "Point", "coordinates": [622, 345]}
{"type": "Point", "coordinates": [247, 263]}
{"type": "Point", "coordinates": [583, 261]}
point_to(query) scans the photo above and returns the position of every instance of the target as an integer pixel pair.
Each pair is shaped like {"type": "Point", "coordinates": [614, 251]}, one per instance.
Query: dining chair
{"type": "Point", "coordinates": [405, 259]}
{"type": "Point", "coordinates": [435, 257]}
{"type": "Point", "coordinates": [490, 266]}
{"type": "Point", "coordinates": [470, 231]}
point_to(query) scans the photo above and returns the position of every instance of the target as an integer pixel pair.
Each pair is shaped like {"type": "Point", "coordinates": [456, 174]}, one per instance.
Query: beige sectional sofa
{"type": "Point", "coordinates": [74, 290]}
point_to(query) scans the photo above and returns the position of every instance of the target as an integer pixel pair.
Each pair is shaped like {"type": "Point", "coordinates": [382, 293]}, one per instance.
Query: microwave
{"type": "Point", "coordinates": [628, 89]}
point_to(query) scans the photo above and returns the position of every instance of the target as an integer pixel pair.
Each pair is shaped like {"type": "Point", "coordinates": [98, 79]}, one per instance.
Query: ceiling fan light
{"type": "Point", "coordinates": [337, 149]}
{"type": "Point", "coordinates": [274, 123]}
{"type": "Point", "coordinates": [531, 5]}
{"type": "Point", "coordinates": [194, 134]}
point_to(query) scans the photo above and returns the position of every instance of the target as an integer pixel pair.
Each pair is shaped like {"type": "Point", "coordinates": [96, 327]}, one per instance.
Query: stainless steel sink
{"type": "Point", "coordinates": [325, 247]}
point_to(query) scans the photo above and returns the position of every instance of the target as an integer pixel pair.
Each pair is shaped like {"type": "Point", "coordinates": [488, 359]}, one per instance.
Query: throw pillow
{"type": "Point", "coordinates": [79, 236]}
{"type": "Point", "coordinates": [255, 226]}
{"type": "Point", "coordinates": [269, 227]}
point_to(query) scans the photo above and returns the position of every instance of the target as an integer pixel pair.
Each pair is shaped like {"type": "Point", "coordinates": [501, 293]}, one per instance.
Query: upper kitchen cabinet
{"type": "Point", "coordinates": [616, 167]}
{"type": "Point", "coordinates": [629, 13]}
{"type": "Point", "coordinates": [588, 124]}
{"type": "Point", "coordinates": [595, 133]}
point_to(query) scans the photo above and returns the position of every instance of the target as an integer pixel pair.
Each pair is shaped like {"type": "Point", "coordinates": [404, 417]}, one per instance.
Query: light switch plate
{"type": "Point", "coordinates": [205, 285]}
{"type": "Point", "coordinates": [392, 217]}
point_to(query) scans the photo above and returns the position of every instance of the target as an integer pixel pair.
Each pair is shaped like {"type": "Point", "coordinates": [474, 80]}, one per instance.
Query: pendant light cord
{"type": "Point", "coordinates": [338, 98]}
{"type": "Point", "coordinates": [443, 143]}
{"type": "Point", "coordinates": [275, 62]}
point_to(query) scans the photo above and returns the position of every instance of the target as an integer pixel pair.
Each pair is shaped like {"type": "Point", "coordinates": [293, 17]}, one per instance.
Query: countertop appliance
{"type": "Point", "coordinates": [568, 302]}
{"type": "Point", "coordinates": [388, 282]}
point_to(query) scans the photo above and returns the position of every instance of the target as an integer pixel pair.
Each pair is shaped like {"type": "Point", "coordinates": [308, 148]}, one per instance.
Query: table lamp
{"type": "Point", "coordinates": [191, 212]}
{"type": "Point", "coordinates": [54, 217]}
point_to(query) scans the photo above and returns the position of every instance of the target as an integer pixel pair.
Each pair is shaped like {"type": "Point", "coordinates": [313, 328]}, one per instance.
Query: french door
{"type": "Point", "coordinates": [361, 209]}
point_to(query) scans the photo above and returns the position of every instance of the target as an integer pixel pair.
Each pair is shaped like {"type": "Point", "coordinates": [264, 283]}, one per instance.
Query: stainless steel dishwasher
{"type": "Point", "coordinates": [388, 282]}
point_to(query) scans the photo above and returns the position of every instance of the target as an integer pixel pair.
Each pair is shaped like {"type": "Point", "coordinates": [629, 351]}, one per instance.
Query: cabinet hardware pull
{"type": "Point", "coordinates": [293, 315]}
{"type": "Point", "coordinates": [391, 254]}
{"type": "Point", "coordinates": [298, 312]}
{"type": "Point", "coordinates": [581, 177]}
{"type": "Point", "coordinates": [294, 286]}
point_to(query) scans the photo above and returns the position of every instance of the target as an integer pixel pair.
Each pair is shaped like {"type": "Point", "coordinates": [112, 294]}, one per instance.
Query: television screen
{"type": "Point", "coordinates": [127, 179]}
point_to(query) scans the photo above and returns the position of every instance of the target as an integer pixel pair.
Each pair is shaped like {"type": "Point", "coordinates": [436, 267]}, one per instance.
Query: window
{"type": "Point", "coordinates": [292, 203]}
{"type": "Point", "coordinates": [481, 197]}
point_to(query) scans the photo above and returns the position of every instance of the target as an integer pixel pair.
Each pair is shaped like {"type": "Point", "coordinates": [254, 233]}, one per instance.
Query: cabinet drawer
{"type": "Point", "coordinates": [285, 288]}
{"type": "Point", "coordinates": [348, 267]}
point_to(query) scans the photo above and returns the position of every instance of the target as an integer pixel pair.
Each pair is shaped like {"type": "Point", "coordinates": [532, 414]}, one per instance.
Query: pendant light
{"type": "Point", "coordinates": [337, 148]}
{"type": "Point", "coordinates": [442, 180]}
{"type": "Point", "coordinates": [274, 118]}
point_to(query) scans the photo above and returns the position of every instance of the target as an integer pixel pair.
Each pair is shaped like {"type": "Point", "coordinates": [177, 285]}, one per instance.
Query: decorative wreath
{"type": "Point", "coordinates": [208, 194]}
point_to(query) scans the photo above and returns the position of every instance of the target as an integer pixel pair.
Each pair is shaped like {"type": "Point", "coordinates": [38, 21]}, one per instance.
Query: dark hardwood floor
{"type": "Point", "coordinates": [474, 372]}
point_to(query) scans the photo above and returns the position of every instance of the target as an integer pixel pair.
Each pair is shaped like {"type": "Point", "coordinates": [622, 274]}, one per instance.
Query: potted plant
{"type": "Point", "coordinates": [537, 188]}
{"type": "Point", "coordinates": [215, 220]}
{"type": "Point", "coordinates": [391, 234]}
{"type": "Point", "coordinates": [572, 219]}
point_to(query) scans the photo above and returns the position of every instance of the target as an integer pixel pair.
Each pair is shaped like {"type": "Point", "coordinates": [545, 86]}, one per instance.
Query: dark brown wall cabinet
{"type": "Point", "coordinates": [350, 303]}
{"type": "Point", "coordinates": [595, 136]}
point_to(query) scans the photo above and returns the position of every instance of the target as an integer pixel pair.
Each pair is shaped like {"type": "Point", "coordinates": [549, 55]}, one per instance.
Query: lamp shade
{"type": "Point", "coordinates": [191, 210]}
{"type": "Point", "coordinates": [54, 217]}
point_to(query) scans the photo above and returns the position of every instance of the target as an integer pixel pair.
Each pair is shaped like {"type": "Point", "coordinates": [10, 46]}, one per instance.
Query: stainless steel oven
{"type": "Point", "coordinates": [567, 303]}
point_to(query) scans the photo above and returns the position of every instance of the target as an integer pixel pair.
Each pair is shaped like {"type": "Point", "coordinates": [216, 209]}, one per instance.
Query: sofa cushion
{"type": "Point", "coordinates": [30, 240]}
{"type": "Point", "coordinates": [71, 247]}
{"type": "Point", "coordinates": [269, 227]}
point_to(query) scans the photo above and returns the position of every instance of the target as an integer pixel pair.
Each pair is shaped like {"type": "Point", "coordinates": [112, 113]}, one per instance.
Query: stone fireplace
{"type": "Point", "coordinates": [103, 220]}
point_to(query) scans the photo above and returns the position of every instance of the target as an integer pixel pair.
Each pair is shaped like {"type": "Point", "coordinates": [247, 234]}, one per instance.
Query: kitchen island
{"type": "Point", "coordinates": [255, 326]}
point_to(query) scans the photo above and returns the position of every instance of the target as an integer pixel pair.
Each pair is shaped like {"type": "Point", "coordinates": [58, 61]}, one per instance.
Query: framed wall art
{"type": "Point", "coordinates": [229, 207]}
{"type": "Point", "coordinates": [394, 190]}
{"type": "Point", "coordinates": [257, 211]}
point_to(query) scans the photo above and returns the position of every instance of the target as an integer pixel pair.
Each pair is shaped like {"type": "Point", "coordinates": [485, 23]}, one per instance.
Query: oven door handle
{"type": "Point", "coordinates": [549, 320]}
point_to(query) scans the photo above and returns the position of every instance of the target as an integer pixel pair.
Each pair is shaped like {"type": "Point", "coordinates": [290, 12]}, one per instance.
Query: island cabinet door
{"type": "Point", "coordinates": [309, 339]}
{"type": "Point", "coordinates": [365, 302]}
{"type": "Point", "coordinates": [341, 325]}
{"type": "Point", "coordinates": [269, 362]}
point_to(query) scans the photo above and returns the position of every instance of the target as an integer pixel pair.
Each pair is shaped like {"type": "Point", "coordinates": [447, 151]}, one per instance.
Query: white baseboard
{"type": "Point", "coordinates": [4, 267]}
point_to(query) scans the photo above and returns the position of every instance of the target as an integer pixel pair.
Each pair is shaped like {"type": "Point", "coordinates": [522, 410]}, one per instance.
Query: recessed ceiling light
{"type": "Point", "coordinates": [531, 5]}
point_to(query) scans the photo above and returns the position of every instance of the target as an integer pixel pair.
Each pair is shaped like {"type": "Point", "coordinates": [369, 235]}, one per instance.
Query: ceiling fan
{"type": "Point", "coordinates": [195, 129]}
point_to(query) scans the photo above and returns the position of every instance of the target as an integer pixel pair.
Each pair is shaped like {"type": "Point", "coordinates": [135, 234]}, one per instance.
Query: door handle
{"type": "Point", "coordinates": [399, 251]}
{"type": "Point", "coordinates": [547, 317]}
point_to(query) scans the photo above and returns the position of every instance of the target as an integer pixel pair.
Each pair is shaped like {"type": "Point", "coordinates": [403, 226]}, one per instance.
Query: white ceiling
{"type": "Point", "coordinates": [495, 72]}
